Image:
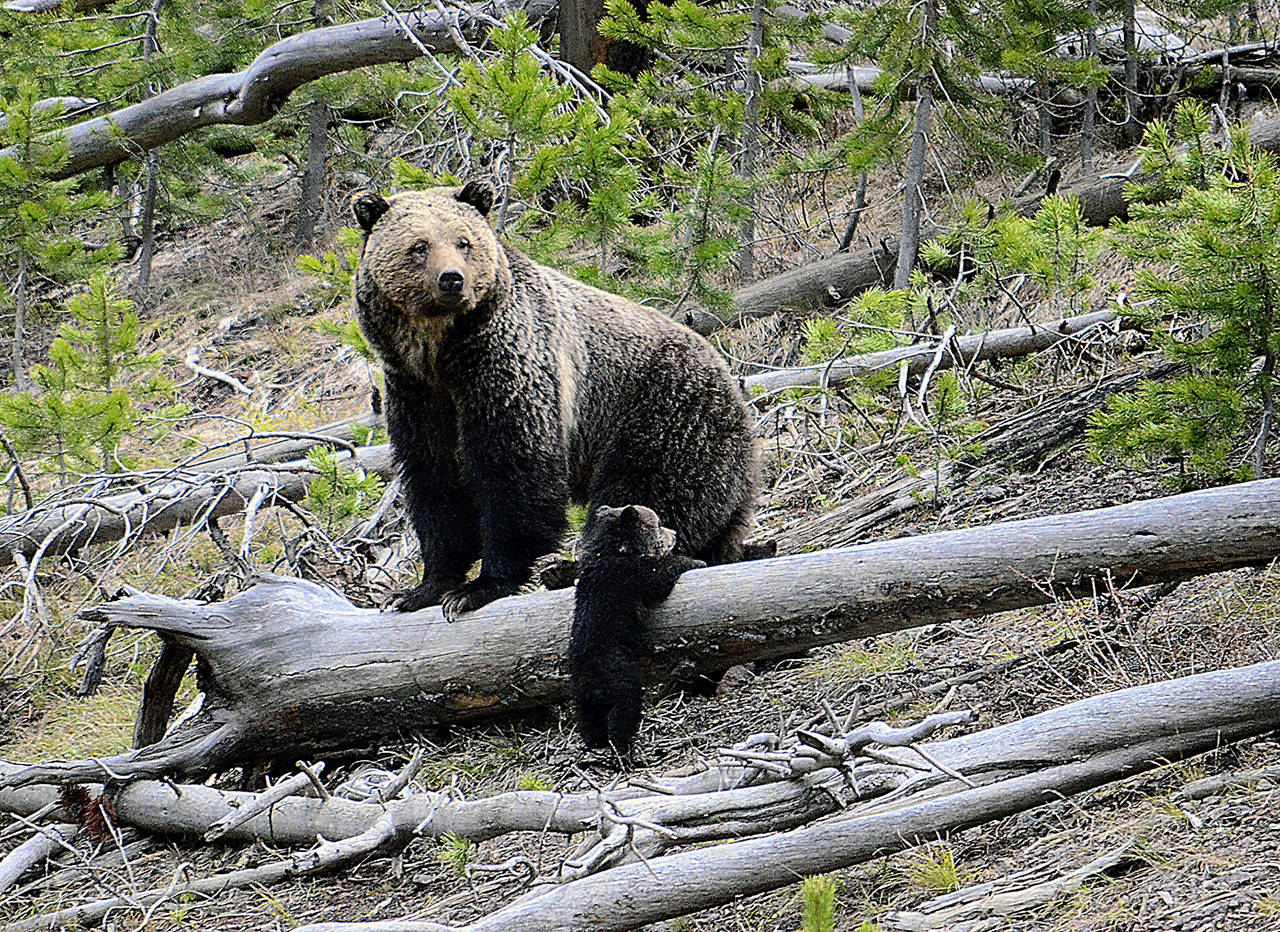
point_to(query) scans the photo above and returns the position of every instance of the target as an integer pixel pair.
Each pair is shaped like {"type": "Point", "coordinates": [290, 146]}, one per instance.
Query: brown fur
{"type": "Point", "coordinates": [528, 388]}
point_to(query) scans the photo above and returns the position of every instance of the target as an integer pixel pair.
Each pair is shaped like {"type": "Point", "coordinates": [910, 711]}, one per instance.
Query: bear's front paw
{"type": "Point", "coordinates": [472, 595]}
{"type": "Point", "coordinates": [423, 595]}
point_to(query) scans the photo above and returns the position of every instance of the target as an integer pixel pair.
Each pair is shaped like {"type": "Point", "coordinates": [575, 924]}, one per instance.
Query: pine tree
{"type": "Point", "coordinates": [932, 54]}
{"type": "Point", "coordinates": [38, 217]}
{"type": "Point", "coordinates": [86, 398]}
{"type": "Point", "coordinates": [1212, 215]}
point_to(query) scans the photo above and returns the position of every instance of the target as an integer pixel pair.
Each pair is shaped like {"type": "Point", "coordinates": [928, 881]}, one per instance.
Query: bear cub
{"type": "Point", "coordinates": [512, 389]}
{"type": "Point", "coordinates": [626, 569]}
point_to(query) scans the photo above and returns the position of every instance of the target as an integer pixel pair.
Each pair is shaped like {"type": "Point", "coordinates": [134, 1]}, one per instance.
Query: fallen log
{"type": "Point", "coordinates": [834, 281]}
{"type": "Point", "coordinates": [170, 500]}
{"type": "Point", "coordinates": [283, 449]}
{"type": "Point", "coordinates": [291, 669]}
{"type": "Point", "coordinates": [1055, 754]}
{"type": "Point", "coordinates": [992, 344]}
{"type": "Point", "coordinates": [802, 777]}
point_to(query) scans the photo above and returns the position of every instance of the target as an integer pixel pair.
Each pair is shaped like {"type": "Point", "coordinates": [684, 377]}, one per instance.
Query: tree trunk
{"type": "Point", "coordinates": [21, 380]}
{"type": "Point", "coordinates": [580, 43]}
{"type": "Point", "coordinates": [1091, 95]}
{"type": "Point", "coordinates": [148, 217]}
{"type": "Point", "coordinates": [751, 146]}
{"type": "Point", "coordinates": [312, 193]}
{"type": "Point", "coordinates": [351, 677]}
{"type": "Point", "coordinates": [147, 243]}
{"type": "Point", "coordinates": [909, 244]}
{"type": "Point", "coordinates": [309, 199]}
{"type": "Point", "coordinates": [1131, 129]}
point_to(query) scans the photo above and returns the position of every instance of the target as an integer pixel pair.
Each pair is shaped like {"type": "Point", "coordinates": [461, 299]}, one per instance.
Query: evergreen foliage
{"type": "Point", "coordinates": [89, 395]}
{"type": "Point", "coordinates": [1213, 213]}
{"type": "Point", "coordinates": [337, 494]}
{"type": "Point", "coordinates": [38, 217]}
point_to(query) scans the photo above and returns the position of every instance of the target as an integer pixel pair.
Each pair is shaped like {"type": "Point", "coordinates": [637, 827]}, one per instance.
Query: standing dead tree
{"type": "Point", "coordinates": [351, 677]}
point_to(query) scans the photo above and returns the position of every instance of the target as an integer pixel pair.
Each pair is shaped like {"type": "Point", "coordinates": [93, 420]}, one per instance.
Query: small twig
{"type": "Point", "coordinates": [314, 774]}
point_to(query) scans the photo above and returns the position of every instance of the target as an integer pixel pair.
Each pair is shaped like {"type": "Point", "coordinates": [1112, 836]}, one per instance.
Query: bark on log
{"type": "Point", "coordinates": [183, 498]}
{"type": "Point", "coordinates": [293, 669]}
{"type": "Point", "coordinates": [256, 94]}
{"type": "Point", "coordinates": [834, 281]}
{"type": "Point", "coordinates": [994, 344]}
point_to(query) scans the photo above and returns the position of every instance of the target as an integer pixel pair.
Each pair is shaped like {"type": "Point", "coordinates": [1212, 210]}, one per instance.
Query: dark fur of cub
{"type": "Point", "coordinates": [626, 568]}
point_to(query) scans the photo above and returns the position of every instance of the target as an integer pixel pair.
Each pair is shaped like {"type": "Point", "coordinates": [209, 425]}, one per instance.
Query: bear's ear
{"type": "Point", "coordinates": [631, 514]}
{"type": "Point", "coordinates": [478, 194]}
{"type": "Point", "coordinates": [367, 207]}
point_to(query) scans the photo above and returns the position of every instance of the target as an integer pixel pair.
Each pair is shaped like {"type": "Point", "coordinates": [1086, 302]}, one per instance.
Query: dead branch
{"type": "Point", "coordinates": [1004, 897]}
{"type": "Point", "coordinates": [350, 677]}
{"type": "Point", "coordinates": [1011, 444]}
{"type": "Point", "coordinates": [180, 497]}
{"type": "Point", "coordinates": [1041, 759]}
{"type": "Point", "coordinates": [994, 344]}
{"type": "Point", "coordinates": [283, 446]}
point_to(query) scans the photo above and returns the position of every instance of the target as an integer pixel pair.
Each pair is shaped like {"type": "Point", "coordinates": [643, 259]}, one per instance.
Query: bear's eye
{"type": "Point", "coordinates": [420, 249]}
{"type": "Point", "coordinates": [464, 245]}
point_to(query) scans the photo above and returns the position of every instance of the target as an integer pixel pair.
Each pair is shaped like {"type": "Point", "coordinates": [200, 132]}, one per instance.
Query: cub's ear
{"type": "Point", "coordinates": [478, 194]}
{"type": "Point", "coordinates": [632, 514]}
{"type": "Point", "coordinates": [367, 207]}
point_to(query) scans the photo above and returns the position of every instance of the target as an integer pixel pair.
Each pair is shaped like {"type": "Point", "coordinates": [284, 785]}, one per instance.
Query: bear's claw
{"type": "Point", "coordinates": [472, 595]}
{"type": "Point", "coordinates": [423, 595]}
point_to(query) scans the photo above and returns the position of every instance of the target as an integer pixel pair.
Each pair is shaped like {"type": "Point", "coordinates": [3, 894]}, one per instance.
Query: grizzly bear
{"type": "Point", "coordinates": [626, 567]}
{"type": "Point", "coordinates": [512, 389]}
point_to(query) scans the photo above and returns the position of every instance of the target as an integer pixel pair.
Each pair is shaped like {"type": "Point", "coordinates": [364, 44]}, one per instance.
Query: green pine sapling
{"type": "Point", "coordinates": [1211, 216]}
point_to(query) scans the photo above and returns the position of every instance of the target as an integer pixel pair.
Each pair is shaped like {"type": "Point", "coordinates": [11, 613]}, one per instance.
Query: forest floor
{"type": "Point", "coordinates": [1210, 864]}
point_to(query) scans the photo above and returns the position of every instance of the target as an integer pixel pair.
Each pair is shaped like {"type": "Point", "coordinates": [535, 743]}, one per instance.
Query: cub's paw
{"type": "Point", "coordinates": [423, 595]}
{"type": "Point", "coordinates": [472, 595]}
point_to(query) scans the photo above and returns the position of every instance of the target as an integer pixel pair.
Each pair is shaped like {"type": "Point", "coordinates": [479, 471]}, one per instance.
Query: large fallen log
{"type": "Point", "coordinates": [179, 498]}
{"type": "Point", "coordinates": [292, 669]}
{"type": "Point", "coordinates": [1058, 753]}
{"type": "Point", "coordinates": [836, 280]}
{"type": "Point", "coordinates": [809, 775]}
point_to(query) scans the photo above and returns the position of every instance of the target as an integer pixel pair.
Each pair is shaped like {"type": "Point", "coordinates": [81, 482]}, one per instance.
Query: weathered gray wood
{"type": "Point", "coordinates": [293, 669]}
{"type": "Point", "coordinates": [282, 449]}
{"type": "Point", "coordinates": [180, 499]}
{"type": "Point", "coordinates": [993, 344]}
{"type": "Point", "coordinates": [836, 280]}
{"type": "Point", "coordinates": [256, 94]}
{"type": "Point", "coordinates": [1099, 740]}
{"type": "Point", "coordinates": [737, 800]}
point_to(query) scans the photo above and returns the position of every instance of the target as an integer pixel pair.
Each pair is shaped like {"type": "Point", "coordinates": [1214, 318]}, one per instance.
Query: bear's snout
{"type": "Point", "coordinates": [451, 282]}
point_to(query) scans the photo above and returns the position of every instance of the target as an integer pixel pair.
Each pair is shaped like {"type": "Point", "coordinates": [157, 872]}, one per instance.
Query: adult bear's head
{"type": "Point", "coordinates": [430, 254]}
